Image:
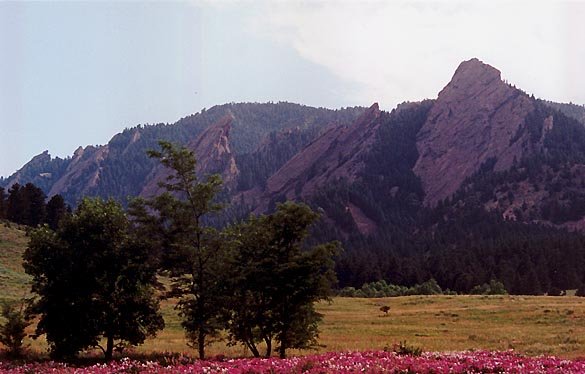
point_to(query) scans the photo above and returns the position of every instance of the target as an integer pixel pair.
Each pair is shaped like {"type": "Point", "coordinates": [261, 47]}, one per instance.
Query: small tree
{"type": "Point", "coordinates": [276, 281]}
{"type": "Point", "coordinates": [12, 332]}
{"type": "Point", "coordinates": [193, 252]}
{"type": "Point", "coordinates": [385, 309]}
{"type": "Point", "coordinates": [95, 281]}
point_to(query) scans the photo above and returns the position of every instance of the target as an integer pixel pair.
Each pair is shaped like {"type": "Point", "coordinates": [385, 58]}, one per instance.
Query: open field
{"type": "Point", "coordinates": [528, 324]}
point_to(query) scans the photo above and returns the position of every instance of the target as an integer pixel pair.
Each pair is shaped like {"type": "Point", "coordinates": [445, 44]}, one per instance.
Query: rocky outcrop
{"type": "Point", "coordinates": [475, 118]}
{"type": "Point", "coordinates": [336, 154]}
{"type": "Point", "coordinates": [83, 171]}
{"type": "Point", "coordinates": [35, 166]}
{"type": "Point", "coordinates": [213, 153]}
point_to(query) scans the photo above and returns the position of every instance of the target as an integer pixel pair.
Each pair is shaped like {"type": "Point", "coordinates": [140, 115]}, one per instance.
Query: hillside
{"type": "Point", "coordinates": [483, 182]}
{"type": "Point", "coordinates": [121, 168]}
{"type": "Point", "coordinates": [14, 281]}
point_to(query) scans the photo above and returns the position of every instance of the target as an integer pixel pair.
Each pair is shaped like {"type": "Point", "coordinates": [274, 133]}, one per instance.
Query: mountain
{"type": "Point", "coordinates": [476, 117]}
{"type": "Point", "coordinates": [483, 182]}
{"type": "Point", "coordinates": [121, 168]}
{"type": "Point", "coordinates": [215, 156]}
{"type": "Point", "coordinates": [335, 154]}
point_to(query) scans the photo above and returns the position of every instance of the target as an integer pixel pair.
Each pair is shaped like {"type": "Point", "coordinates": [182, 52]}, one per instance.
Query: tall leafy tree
{"type": "Point", "coordinates": [34, 199]}
{"type": "Point", "coordinates": [276, 280]}
{"type": "Point", "coordinates": [56, 209]}
{"type": "Point", "coordinates": [94, 281]}
{"type": "Point", "coordinates": [193, 252]}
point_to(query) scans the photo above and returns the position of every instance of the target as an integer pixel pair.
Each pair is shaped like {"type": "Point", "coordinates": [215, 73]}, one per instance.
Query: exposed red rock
{"type": "Point", "coordinates": [213, 153]}
{"type": "Point", "coordinates": [476, 117]}
{"type": "Point", "coordinates": [83, 170]}
{"type": "Point", "coordinates": [334, 155]}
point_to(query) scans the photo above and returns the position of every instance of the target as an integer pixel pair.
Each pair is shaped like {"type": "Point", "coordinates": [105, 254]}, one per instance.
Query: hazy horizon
{"type": "Point", "coordinates": [74, 74]}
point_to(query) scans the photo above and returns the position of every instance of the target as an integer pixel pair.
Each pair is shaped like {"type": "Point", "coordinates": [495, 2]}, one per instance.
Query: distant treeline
{"type": "Point", "coordinates": [28, 205]}
{"type": "Point", "coordinates": [430, 287]}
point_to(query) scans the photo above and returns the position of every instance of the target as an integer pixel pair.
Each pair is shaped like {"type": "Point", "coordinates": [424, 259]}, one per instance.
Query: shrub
{"type": "Point", "coordinates": [493, 288]}
{"type": "Point", "coordinates": [12, 332]}
{"type": "Point", "coordinates": [404, 349]}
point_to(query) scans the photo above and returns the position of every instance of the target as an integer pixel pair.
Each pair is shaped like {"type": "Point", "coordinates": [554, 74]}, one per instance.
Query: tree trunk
{"type": "Point", "coordinates": [201, 342]}
{"type": "Point", "coordinates": [109, 348]}
{"type": "Point", "coordinates": [268, 347]}
{"type": "Point", "coordinates": [253, 349]}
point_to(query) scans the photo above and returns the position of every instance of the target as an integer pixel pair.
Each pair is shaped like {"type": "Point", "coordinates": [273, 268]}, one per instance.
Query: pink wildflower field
{"type": "Point", "coordinates": [348, 362]}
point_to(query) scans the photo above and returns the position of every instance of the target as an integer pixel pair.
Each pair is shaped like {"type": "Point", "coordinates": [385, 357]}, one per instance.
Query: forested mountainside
{"type": "Point", "coordinates": [483, 182]}
{"type": "Point", "coordinates": [121, 168]}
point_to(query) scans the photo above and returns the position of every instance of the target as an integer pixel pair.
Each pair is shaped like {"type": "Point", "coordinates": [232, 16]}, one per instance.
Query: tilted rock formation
{"type": "Point", "coordinates": [336, 154]}
{"type": "Point", "coordinates": [83, 171]}
{"type": "Point", "coordinates": [476, 117]}
{"type": "Point", "coordinates": [213, 154]}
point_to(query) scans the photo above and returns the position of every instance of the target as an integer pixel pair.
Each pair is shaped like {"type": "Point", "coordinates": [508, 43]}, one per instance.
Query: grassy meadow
{"type": "Point", "coordinates": [532, 325]}
{"type": "Point", "coordinates": [13, 280]}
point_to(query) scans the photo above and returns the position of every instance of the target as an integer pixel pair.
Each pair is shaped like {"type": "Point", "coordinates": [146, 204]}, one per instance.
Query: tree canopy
{"type": "Point", "coordinates": [276, 280]}
{"type": "Point", "coordinates": [94, 281]}
{"type": "Point", "coordinates": [191, 251]}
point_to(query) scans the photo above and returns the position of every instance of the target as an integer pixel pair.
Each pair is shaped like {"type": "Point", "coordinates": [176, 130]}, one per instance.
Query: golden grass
{"type": "Point", "coordinates": [532, 325]}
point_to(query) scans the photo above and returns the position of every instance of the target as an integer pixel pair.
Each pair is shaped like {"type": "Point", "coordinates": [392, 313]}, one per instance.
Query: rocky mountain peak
{"type": "Point", "coordinates": [214, 155]}
{"type": "Point", "coordinates": [368, 116]}
{"type": "Point", "coordinates": [476, 117]}
{"type": "Point", "coordinates": [474, 72]}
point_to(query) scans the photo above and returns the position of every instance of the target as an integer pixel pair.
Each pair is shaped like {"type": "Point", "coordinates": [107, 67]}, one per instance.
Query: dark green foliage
{"type": "Point", "coordinates": [555, 291]}
{"type": "Point", "coordinates": [192, 252]}
{"type": "Point", "coordinates": [42, 171]}
{"type": "Point", "coordinates": [462, 245]}
{"type": "Point", "coordinates": [12, 331]}
{"type": "Point", "coordinates": [494, 287]}
{"type": "Point", "coordinates": [404, 349]}
{"type": "Point", "coordinates": [56, 210]}
{"type": "Point", "coordinates": [570, 110]}
{"type": "Point", "coordinates": [276, 280]}
{"type": "Point", "coordinates": [383, 289]}
{"type": "Point", "coordinates": [94, 280]}
{"type": "Point", "coordinates": [25, 205]}
{"type": "Point", "coordinates": [256, 167]}
{"type": "Point", "coordinates": [123, 167]}
{"type": "Point", "coordinates": [3, 203]}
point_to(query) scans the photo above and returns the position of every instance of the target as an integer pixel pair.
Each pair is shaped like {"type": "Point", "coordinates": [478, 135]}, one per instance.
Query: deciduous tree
{"type": "Point", "coordinates": [276, 280]}
{"type": "Point", "coordinates": [94, 281]}
{"type": "Point", "coordinates": [193, 252]}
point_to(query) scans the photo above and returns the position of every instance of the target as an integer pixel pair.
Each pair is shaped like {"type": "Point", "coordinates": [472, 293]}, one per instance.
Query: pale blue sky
{"type": "Point", "coordinates": [76, 73]}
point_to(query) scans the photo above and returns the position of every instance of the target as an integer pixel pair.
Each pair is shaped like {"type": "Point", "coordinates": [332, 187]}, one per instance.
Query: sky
{"type": "Point", "coordinates": [76, 73]}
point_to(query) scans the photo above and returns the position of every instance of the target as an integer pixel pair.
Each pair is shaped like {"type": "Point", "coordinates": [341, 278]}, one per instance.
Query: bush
{"type": "Point", "coordinates": [403, 349]}
{"type": "Point", "coordinates": [493, 288]}
{"type": "Point", "coordinates": [12, 332]}
{"type": "Point", "coordinates": [555, 291]}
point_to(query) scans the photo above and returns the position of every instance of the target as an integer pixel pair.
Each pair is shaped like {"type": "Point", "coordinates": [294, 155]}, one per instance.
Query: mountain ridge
{"type": "Point", "coordinates": [484, 182]}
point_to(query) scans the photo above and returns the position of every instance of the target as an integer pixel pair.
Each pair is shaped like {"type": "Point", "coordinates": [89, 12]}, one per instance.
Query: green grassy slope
{"type": "Point", "coordinates": [14, 283]}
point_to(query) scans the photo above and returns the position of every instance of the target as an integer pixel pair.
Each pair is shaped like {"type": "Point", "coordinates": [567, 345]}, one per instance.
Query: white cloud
{"type": "Point", "coordinates": [398, 51]}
